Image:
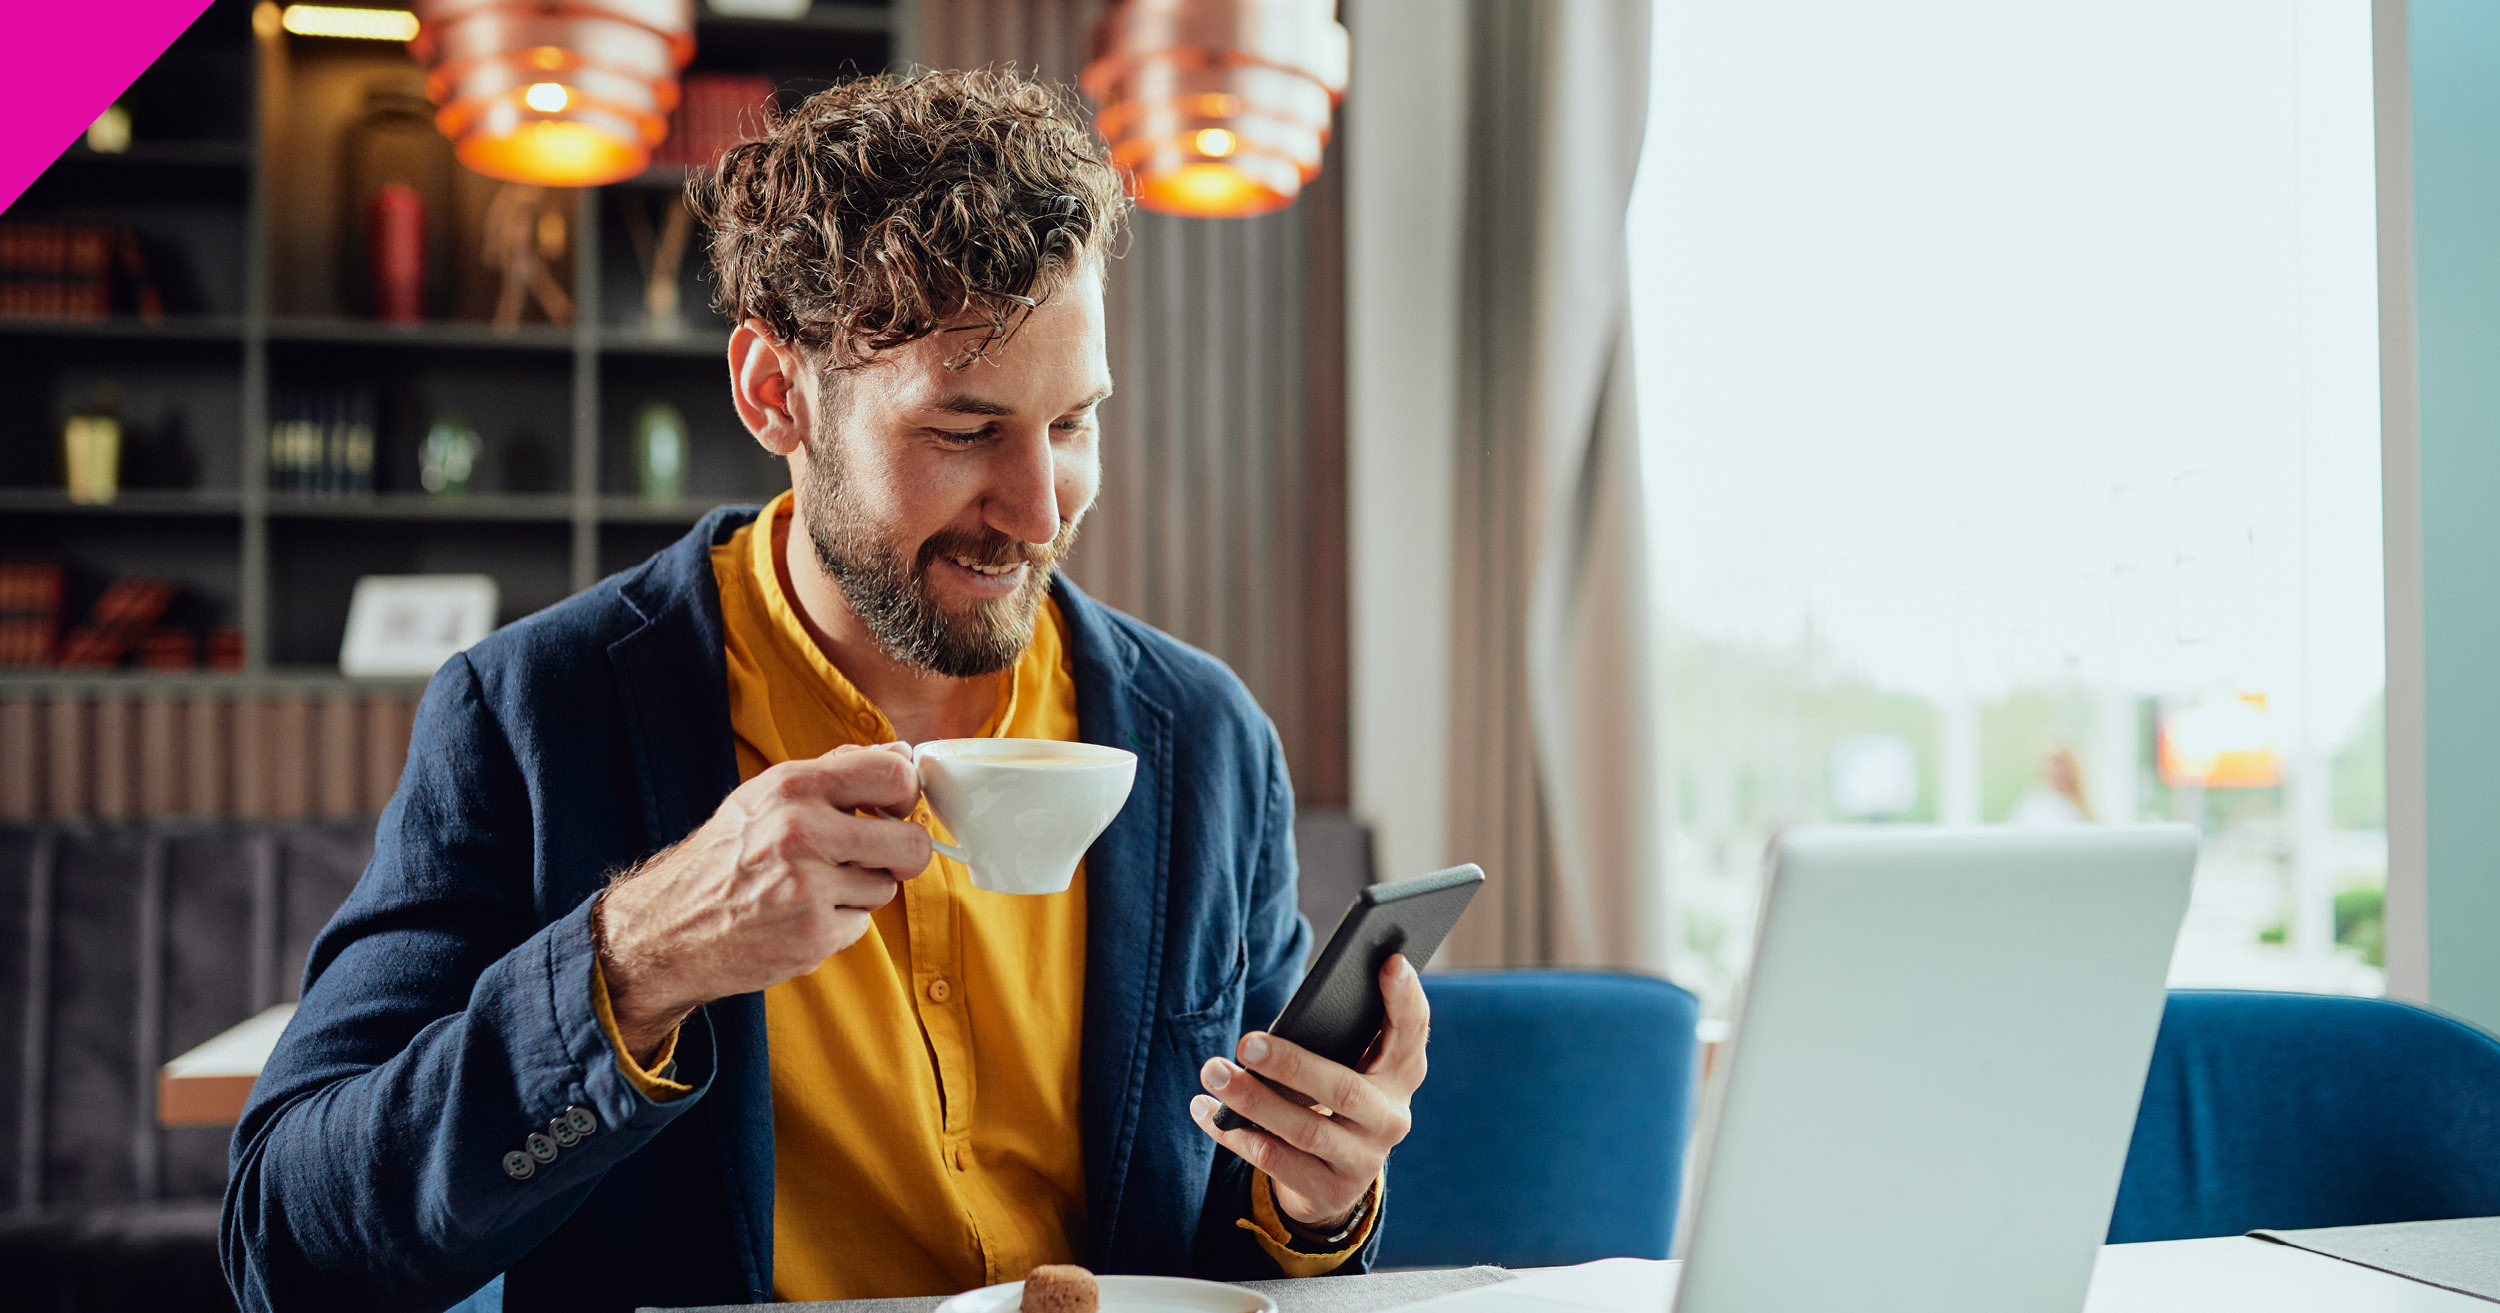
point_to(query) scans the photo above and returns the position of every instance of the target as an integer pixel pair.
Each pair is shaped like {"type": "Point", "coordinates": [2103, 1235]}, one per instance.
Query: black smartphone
{"type": "Point", "coordinates": [1336, 1012]}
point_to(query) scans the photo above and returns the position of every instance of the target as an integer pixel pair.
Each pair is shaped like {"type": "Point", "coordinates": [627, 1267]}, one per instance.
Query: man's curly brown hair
{"type": "Point", "coordinates": [885, 209]}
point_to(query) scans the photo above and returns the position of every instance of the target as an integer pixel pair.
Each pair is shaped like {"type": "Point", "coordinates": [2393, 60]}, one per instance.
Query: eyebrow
{"type": "Point", "coordinates": [964, 403]}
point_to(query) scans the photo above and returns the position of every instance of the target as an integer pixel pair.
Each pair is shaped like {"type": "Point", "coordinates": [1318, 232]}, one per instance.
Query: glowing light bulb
{"type": "Point", "coordinates": [547, 97]}
{"type": "Point", "coordinates": [1215, 143]}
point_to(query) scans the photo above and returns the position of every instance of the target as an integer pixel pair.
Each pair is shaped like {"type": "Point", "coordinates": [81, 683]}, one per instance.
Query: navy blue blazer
{"type": "Point", "coordinates": [446, 1016]}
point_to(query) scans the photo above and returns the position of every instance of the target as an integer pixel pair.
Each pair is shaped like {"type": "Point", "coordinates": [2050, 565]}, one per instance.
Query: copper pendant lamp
{"type": "Point", "coordinates": [1217, 108]}
{"type": "Point", "coordinates": [562, 93]}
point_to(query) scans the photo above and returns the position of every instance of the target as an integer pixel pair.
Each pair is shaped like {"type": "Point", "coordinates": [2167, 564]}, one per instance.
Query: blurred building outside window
{"type": "Point", "coordinates": [2008, 381]}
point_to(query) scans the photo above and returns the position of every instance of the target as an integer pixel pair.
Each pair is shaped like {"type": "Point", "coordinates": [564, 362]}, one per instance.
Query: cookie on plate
{"type": "Point", "coordinates": [1061, 1288]}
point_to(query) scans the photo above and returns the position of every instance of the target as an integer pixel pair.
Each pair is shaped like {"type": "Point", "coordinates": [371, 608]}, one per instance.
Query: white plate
{"type": "Point", "coordinates": [1128, 1295]}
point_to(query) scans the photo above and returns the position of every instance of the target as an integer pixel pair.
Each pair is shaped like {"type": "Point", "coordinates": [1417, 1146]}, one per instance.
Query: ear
{"type": "Point", "coordinates": [765, 383]}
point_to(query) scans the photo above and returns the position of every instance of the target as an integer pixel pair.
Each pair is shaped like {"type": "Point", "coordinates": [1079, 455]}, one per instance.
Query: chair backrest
{"type": "Point", "coordinates": [1552, 1126]}
{"type": "Point", "coordinates": [2298, 1110]}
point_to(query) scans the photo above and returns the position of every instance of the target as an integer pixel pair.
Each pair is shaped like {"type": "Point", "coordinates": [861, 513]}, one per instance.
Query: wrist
{"type": "Point", "coordinates": [645, 1017]}
{"type": "Point", "coordinates": [1328, 1232]}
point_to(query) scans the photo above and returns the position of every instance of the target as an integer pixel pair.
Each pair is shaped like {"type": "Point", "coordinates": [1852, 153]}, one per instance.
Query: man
{"type": "Point", "coordinates": [653, 994]}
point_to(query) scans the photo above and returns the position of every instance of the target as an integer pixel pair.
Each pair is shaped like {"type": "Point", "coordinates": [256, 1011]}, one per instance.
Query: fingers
{"type": "Point", "coordinates": [1345, 1092]}
{"type": "Point", "coordinates": [1294, 1169]}
{"type": "Point", "coordinates": [850, 778]}
{"type": "Point", "coordinates": [1325, 1138]}
{"type": "Point", "coordinates": [851, 889]}
{"type": "Point", "coordinates": [1400, 1059]}
{"type": "Point", "coordinates": [890, 849]}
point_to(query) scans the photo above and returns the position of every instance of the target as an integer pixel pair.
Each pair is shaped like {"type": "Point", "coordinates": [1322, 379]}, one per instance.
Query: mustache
{"type": "Point", "coordinates": [988, 547]}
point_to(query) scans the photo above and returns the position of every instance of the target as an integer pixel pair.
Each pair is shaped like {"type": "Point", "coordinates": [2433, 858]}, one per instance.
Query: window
{"type": "Point", "coordinates": [2009, 390]}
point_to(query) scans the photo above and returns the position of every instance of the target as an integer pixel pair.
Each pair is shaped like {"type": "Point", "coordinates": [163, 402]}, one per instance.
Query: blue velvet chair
{"type": "Point", "coordinates": [1552, 1126]}
{"type": "Point", "coordinates": [2298, 1110]}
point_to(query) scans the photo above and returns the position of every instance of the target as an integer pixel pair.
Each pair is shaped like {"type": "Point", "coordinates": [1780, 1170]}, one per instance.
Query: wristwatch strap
{"type": "Point", "coordinates": [1309, 1241]}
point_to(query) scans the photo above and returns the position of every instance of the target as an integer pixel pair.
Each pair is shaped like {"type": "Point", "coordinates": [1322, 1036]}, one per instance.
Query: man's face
{"type": "Point", "coordinates": [941, 500]}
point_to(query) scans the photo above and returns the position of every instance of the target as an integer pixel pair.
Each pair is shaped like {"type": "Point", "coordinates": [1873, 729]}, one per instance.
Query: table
{"type": "Point", "coordinates": [2236, 1274]}
{"type": "Point", "coordinates": [208, 1085]}
{"type": "Point", "coordinates": [2228, 1275]}
{"type": "Point", "coordinates": [1368, 1293]}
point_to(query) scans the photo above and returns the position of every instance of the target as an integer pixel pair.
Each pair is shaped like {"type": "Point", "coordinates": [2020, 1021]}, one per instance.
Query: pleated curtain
{"type": "Point", "coordinates": [1554, 778]}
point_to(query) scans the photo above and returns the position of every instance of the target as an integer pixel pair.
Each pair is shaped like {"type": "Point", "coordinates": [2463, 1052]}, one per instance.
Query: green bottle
{"type": "Point", "coordinates": [660, 453]}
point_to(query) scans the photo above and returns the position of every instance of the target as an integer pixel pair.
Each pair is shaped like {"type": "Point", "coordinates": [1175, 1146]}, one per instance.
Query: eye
{"type": "Point", "coordinates": [964, 438]}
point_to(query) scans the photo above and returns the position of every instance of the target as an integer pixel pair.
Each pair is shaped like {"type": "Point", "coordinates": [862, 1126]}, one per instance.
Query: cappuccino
{"type": "Point", "coordinates": [1031, 759]}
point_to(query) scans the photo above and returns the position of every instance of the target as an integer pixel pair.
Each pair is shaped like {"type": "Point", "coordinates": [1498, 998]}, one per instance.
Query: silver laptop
{"type": "Point", "coordinates": [1930, 1085]}
{"type": "Point", "coordinates": [1934, 1070]}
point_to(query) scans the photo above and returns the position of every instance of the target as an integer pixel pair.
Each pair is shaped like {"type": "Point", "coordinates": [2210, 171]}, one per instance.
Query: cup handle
{"type": "Point", "coordinates": [944, 848]}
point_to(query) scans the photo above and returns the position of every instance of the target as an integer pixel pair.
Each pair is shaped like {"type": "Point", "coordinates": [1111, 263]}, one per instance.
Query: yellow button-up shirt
{"type": "Point", "coordinates": [925, 1080]}
{"type": "Point", "coordinates": [925, 1132]}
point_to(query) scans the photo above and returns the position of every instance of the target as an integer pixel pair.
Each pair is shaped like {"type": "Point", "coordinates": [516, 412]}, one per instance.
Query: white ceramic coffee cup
{"type": "Point", "coordinates": [1023, 811]}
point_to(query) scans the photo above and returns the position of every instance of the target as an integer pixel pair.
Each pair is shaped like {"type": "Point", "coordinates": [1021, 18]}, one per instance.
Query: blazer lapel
{"type": "Point", "coordinates": [673, 679]}
{"type": "Point", "coordinates": [1125, 907]}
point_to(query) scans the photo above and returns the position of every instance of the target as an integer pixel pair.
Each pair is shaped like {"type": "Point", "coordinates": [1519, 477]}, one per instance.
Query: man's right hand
{"type": "Point", "coordinates": [782, 877]}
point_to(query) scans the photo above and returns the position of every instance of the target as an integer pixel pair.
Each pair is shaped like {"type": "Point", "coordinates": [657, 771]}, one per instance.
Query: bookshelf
{"type": "Point", "coordinates": [231, 198]}
{"type": "Point", "coordinates": [231, 190]}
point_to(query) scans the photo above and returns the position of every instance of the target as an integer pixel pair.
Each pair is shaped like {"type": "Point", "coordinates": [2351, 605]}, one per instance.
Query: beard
{"type": "Point", "coordinates": [888, 585]}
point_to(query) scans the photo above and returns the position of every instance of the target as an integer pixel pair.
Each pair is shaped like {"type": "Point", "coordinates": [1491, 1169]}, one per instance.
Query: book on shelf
{"type": "Point", "coordinates": [126, 626]}
{"type": "Point", "coordinates": [125, 615]}
{"type": "Point", "coordinates": [74, 271]}
{"type": "Point", "coordinates": [30, 612]}
{"type": "Point", "coordinates": [322, 441]}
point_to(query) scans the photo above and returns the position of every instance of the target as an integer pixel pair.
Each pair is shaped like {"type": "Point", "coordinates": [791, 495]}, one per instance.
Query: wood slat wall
{"type": "Point", "coordinates": [1222, 518]}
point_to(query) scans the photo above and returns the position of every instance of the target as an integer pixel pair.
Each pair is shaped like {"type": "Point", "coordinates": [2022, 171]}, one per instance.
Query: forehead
{"type": "Point", "coordinates": [1057, 346]}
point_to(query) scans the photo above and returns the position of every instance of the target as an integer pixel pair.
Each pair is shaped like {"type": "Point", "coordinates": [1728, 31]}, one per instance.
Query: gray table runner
{"type": "Point", "coordinates": [1369, 1293]}
{"type": "Point", "coordinates": [2461, 1255]}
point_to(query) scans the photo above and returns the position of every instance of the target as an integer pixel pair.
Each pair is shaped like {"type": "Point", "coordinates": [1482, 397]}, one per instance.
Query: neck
{"type": "Point", "coordinates": [921, 705]}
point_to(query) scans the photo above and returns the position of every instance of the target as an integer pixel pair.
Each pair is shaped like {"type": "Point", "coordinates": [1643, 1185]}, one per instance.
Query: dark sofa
{"type": "Point", "coordinates": [128, 945]}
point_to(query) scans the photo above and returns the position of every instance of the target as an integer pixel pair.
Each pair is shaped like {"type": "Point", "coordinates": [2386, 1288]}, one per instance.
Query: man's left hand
{"type": "Point", "coordinates": [1323, 1159]}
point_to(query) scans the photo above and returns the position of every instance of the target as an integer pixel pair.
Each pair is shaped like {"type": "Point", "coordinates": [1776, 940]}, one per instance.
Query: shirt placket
{"type": "Point", "coordinates": [931, 904]}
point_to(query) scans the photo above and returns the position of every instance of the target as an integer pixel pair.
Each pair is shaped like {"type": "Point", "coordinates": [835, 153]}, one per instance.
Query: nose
{"type": "Point", "coordinates": [1024, 498]}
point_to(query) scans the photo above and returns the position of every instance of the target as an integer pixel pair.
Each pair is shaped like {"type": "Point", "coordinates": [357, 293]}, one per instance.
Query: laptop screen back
{"type": "Point", "coordinates": [1934, 1070]}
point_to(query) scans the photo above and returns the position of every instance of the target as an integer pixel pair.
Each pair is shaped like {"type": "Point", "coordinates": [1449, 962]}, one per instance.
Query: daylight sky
{"type": "Point", "coordinates": [1992, 343]}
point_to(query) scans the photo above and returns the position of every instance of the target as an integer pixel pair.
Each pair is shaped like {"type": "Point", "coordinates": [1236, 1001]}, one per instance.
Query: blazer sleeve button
{"type": "Point", "coordinates": [519, 1166]}
{"type": "Point", "coordinates": [566, 1137]}
{"type": "Point", "coordinates": [581, 1119]}
{"type": "Point", "coordinates": [541, 1145]}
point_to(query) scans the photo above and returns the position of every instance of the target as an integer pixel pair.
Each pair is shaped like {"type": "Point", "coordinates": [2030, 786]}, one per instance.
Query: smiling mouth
{"type": "Point", "coordinates": [993, 571]}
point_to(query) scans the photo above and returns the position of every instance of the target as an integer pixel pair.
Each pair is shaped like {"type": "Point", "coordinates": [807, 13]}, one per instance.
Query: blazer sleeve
{"type": "Point", "coordinates": [446, 1026]}
{"type": "Point", "coordinates": [1279, 944]}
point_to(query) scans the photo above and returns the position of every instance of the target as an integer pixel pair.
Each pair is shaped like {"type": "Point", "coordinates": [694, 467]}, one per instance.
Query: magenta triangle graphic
{"type": "Point", "coordinates": [62, 62]}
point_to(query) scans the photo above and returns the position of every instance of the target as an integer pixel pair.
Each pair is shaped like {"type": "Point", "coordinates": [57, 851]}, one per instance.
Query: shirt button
{"type": "Point", "coordinates": [541, 1145]}
{"type": "Point", "coordinates": [940, 991]}
{"type": "Point", "coordinates": [519, 1166]}
{"type": "Point", "coordinates": [583, 1120]}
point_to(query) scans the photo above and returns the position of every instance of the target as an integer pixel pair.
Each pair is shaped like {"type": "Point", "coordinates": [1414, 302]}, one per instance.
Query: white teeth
{"type": "Point", "coordinates": [978, 568]}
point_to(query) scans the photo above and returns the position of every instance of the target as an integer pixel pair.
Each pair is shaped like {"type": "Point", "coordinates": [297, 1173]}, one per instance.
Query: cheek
{"type": "Point", "coordinates": [1078, 476]}
{"type": "Point", "coordinates": [898, 499]}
